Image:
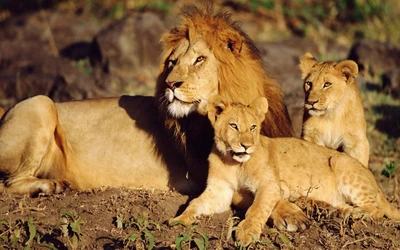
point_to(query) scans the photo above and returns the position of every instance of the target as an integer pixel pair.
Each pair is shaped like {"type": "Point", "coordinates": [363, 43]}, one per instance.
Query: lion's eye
{"type": "Point", "coordinates": [327, 84]}
{"type": "Point", "coordinates": [233, 125]}
{"type": "Point", "coordinates": [199, 59]}
{"type": "Point", "coordinates": [308, 84]}
{"type": "Point", "coordinates": [252, 128]}
{"type": "Point", "coordinates": [171, 63]}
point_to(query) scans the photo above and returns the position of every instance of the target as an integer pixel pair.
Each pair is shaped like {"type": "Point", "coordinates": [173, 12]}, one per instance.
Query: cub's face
{"type": "Point", "coordinates": [325, 83]}
{"type": "Point", "coordinates": [237, 132]}
{"type": "Point", "coordinates": [192, 77]}
{"type": "Point", "coordinates": [324, 89]}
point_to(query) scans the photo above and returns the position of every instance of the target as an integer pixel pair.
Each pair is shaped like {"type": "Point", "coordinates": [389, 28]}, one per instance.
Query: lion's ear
{"type": "Point", "coordinates": [234, 42]}
{"type": "Point", "coordinates": [348, 68]}
{"type": "Point", "coordinates": [215, 106]}
{"type": "Point", "coordinates": [260, 105]}
{"type": "Point", "coordinates": [306, 64]}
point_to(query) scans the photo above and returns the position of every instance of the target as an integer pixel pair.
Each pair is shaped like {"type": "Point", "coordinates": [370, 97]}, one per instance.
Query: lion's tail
{"type": "Point", "coordinates": [390, 211]}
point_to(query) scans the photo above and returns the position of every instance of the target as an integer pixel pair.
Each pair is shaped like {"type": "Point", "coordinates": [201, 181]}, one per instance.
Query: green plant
{"type": "Point", "coordinates": [71, 229]}
{"type": "Point", "coordinates": [192, 234]}
{"type": "Point", "coordinates": [21, 233]}
{"type": "Point", "coordinates": [142, 230]}
{"type": "Point", "coordinates": [390, 169]}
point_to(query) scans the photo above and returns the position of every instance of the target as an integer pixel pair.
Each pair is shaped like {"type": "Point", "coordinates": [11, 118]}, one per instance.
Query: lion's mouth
{"type": "Point", "coordinates": [316, 112]}
{"type": "Point", "coordinates": [171, 97]}
{"type": "Point", "coordinates": [240, 156]}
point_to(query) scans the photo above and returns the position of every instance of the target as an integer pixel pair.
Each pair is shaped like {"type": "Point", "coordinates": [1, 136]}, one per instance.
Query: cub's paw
{"type": "Point", "coordinates": [183, 219]}
{"type": "Point", "coordinates": [291, 222]}
{"type": "Point", "coordinates": [247, 233]}
{"type": "Point", "coordinates": [288, 216]}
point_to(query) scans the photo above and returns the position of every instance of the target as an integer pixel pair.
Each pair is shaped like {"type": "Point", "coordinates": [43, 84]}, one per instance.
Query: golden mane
{"type": "Point", "coordinates": [240, 73]}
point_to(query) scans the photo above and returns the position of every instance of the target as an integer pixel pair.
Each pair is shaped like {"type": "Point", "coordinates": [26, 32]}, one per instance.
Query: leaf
{"type": "Point", "coordinates": [156, 225]}
{"type": "Point", "coordinates": [4, 223]}
{"type": "Point", "coordinates": [75, 225]}
{"type": "Point", "coordinates": [133, 237]}
{"type": "Point", "coordinates": [32, 230]}
{"type": "Point", "coordinates": [69, 214]}
{"type": "Point", "coordinates": [285, 239]}
{"type": "Point", "coordinates": [49, 246]}
{"type": "Point", "coordinates": [200, 243]}
{"type": "Point", "coordinates": [74, 241]}
{"type": "Point", "coordinates": [64, 227]}
{"type": "Point", "coordinates": [178, 242]}
{"type": "Point", "coordinates": [150, 237]}
{"type": "Point", "coordinates": [120, 221]}
{"type": "Point", "coordinates": [205, 238]}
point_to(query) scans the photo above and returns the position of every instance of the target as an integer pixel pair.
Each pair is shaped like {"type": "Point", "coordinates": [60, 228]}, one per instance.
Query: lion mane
{"type": "Point", "coordinates": [241, 76]}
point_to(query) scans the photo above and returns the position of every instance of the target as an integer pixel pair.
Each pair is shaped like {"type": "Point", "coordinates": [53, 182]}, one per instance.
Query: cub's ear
{"type": "Point", "coordinates": [260, 105]}
{"type": "Point", "coordinates": [215, 106]}
{"type": "Point", "coordinates": [348, 68]}
{"type": "Point", "coordinates": [306, 64]}
{"type": "Point", "coordinates": [234, 42]}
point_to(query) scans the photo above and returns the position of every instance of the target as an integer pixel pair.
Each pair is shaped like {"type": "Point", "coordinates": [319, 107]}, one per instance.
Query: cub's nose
{"type": "Point", "coordinates": [245, 145]}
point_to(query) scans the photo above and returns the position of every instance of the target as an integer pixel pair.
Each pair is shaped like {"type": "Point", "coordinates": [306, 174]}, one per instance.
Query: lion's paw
{"type": "Point", "coordinates": [247, 233]}
{"type": "Point", "coordinates": [52, 187]}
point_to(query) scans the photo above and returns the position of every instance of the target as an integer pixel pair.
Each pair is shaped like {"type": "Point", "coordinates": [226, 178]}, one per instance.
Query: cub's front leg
{"type": "Point", "coordinates": [216, 198]}
{"type": "Point", "coordinates": [250, 228]}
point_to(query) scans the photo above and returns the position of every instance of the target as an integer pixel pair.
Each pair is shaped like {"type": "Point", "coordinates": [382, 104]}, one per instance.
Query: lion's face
{"type": "Point", "coordinates": [192, 78]}
{"type": "Point", "coordinates": [325, 83]}
{"type": "Point", "coordinates": [237, 127]}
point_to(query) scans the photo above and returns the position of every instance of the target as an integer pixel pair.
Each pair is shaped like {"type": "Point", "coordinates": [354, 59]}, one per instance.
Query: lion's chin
{"type": "Point", "coordinates": [180, 109]}
{"type": "Point", "coordinates": [240, 157]}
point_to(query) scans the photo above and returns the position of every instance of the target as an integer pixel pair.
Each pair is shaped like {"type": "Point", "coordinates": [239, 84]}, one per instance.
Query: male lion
{"type": "Point", "coordinates": [136, 141]}
{"type": "Point", "coordinates": [274, 169]}
{"type": "Point", "coordinates": [334, 113]}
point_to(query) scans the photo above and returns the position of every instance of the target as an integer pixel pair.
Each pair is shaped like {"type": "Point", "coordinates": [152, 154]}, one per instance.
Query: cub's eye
{"type": "Point", "coordinates": [233, 125]}
{"type": "Point", "coordinates": [199, 59]}
{"type": "Point", "coordinates": [252, 128]}
{"type": "Point", "coordinates": [327, 84]}
{"type": "Point", "coordinates": [308, 84]}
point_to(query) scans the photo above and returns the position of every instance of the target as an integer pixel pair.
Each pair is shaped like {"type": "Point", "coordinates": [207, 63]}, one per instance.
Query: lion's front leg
{"type": "Point", "coordinates": [32, 148]}
{"type": "Point", "coordinates": [215, 199]}
{"type": "Point", "coordinates": [250, 228]}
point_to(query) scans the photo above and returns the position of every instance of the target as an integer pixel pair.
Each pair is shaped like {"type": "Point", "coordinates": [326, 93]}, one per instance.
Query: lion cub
{"type": "Point", "coordinates": [334, 114]}
{"type": "Point", "coordinates": [275, 169]}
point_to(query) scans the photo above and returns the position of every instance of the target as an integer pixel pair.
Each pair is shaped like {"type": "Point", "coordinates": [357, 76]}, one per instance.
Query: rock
{"type": "Point", "coordinates": [391, 83]}
{"type": "Point", "coordinates": [128, 51]}
{"type": "Point", "coordinates": [281, 63]}
{"type": "Point", "coordinates": [374, 58]}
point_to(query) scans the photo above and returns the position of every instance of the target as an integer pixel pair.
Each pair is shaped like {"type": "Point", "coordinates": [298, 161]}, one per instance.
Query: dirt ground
{"type": "Point", "coordinates": [109, 218]}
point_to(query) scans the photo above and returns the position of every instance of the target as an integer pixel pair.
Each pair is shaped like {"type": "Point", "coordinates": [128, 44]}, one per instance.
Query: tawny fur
{"type": "Point", "coordinates": [278, 168]}
{"type": "Point", "coordinates": [334, 113]}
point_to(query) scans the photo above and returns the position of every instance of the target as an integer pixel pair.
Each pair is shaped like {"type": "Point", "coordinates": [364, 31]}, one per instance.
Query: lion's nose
{"type": "Point", "coordinates": [174, 84]}
{"type": "Point", "coordinates": [245, 145]}
{"type": "Point", "coordinates": [312, 102]}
